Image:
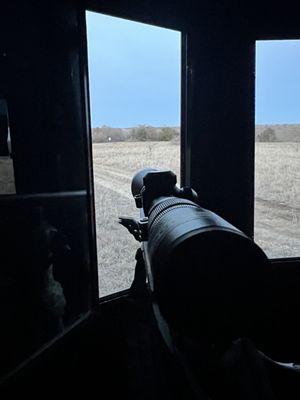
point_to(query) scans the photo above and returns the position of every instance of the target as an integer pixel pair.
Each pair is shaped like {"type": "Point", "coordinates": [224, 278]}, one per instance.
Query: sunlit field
{"type": "Point", "coordinates": [7, 180]}
{"type": "Point", "coordinates": [277, 200]}
{"type": "Point", "coordinates": [114, 167]}
{"type": "Point", "coordinates": [277, 212]}
{"type": "Point", "coordinates": [277, 193]}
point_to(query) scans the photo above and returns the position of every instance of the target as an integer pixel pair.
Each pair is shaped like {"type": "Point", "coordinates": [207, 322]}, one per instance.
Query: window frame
{"type": "Point", "coordinates": [252, 24]}
{"type": "Point", "coordinates": [197, 169]}
{"type": "Point", "coordinates": [184, 146]}
{"type": "Point", "coordinates": [276, 260]}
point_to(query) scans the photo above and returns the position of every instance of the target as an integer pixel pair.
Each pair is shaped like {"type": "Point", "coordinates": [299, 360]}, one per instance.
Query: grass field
{"type": "Point", "coordinates": [7, 180]}
{"type": "Point", "coordinates": [277, 200]}
{"type": "Point", "coordinates": [114, 166]}
{"type": "Point", "coordinates": [277, 207]}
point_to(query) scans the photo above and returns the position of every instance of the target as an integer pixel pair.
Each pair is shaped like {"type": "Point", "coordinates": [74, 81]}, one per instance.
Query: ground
{"type": "Point", "coordinates": [114, 167]}
{"type": "Point", "coordinates": [7, 182]}
{"type": "Point", "coordinates": [277, 200]}
{"type": "Point", "coordinates": [277, 205]}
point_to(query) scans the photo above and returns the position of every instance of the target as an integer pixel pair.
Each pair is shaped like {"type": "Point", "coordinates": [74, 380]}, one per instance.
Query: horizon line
{"type": "Point", "coordinates": [179, 126]}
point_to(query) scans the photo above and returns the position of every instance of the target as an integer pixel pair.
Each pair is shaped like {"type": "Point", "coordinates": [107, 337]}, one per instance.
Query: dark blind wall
{"type": "Point", "coordinates": [221, 122]}
{"type": "Point", "coordinates": [48, 276]}
{"type": "Point", "coordinates": [40, 79]}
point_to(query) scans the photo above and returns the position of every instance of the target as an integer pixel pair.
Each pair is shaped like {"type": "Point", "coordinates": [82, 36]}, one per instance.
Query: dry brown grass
{"type": "Point", "coordinates": [128, 157]}
{"type": "Point", "coordinates": [277, 227]}
{"type": "Point", "coordinates": [278, 173]}
{"type": "Point", "coordinates": [7, 180]}
{"type": "Point", "coordinates": [114, 166]}
{"type": "Point", "coordinates": [277, 211]}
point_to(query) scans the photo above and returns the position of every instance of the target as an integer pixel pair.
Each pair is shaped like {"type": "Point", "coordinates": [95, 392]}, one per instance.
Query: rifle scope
{"type": "Point", "coordinates": [200, 267]}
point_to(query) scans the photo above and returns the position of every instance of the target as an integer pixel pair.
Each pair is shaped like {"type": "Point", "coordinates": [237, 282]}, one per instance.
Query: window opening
{"type": "Point", "coordinates": [277, 148]}
{"type": "Point", "coordinates": [135, 83]}
{"type": "Point", "coordinates": [7, 178]}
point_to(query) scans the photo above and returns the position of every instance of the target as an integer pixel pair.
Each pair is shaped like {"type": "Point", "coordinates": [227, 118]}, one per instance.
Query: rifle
{"type": "Point", "coordinates": [196, 263]}
{"type": "Point", "coordinates": [205, 280]}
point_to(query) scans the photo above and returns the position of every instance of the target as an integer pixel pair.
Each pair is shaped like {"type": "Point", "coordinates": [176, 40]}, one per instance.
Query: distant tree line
{"type": "Point", "coordinates": [140, 133]}
{"type": "Point", "coordinates": [267, 135]}
{"type": "Point", "coordinates": [143, 133]}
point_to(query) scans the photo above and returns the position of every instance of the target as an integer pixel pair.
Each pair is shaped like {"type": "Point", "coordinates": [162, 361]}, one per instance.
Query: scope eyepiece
{"type": "Point", "coordinates": [137, 184]}
{"type": "Point", "coordinates": [149, 184]}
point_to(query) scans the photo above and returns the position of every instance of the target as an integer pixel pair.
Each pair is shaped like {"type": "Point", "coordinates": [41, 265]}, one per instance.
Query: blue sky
{"type": "Point", "coordinates": [277, 82]}
{"type": "Point", "coordinates": [134, 72]}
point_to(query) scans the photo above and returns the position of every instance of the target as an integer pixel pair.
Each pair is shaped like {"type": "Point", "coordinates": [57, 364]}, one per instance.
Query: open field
{"type": "Point", "coordinates": [114, 166]}
{"type": "Point", "coordinates": [7, 180]}
{"type": "Point", "coordinates": [277, 210]}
